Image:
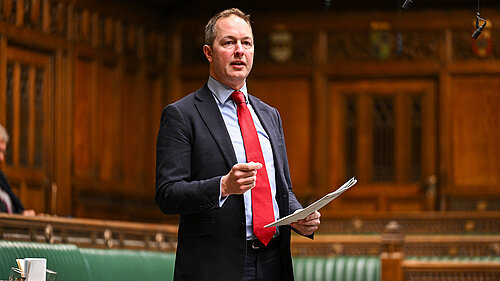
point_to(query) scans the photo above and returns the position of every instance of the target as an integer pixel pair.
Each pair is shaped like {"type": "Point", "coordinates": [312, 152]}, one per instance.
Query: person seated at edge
{"type": "Point", "coordinates": [221, 165]}
{"type": "Point", "coordinates": [9, 202]}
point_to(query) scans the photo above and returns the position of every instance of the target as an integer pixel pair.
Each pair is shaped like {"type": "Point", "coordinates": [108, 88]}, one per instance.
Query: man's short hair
{"type": "Point", "coordinates": [4, 136]}
{"type": "Point", "coordinates": [211, 31]}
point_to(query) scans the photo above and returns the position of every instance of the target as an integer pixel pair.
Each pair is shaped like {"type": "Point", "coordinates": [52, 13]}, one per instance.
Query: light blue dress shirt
{"type": "Point", "coordinates": [227, 107]}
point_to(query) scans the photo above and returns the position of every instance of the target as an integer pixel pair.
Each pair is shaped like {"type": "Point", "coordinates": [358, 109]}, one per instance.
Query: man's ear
{"type": "Point", "coordinates": [208, 52]}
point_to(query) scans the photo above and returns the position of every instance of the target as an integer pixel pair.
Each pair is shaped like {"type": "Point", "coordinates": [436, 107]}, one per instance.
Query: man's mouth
{"type": "Point", "coordinates": [237, 63]}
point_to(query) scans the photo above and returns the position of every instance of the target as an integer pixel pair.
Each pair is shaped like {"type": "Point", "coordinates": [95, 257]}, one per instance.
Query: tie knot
{"type": "Point", "coordinates": [238, 97]}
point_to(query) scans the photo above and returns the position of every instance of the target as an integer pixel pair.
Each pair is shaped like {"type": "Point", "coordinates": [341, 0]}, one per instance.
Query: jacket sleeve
{"type": "Point", "coordinates": [17, 206]}
{"type": "Point", "coordinates": [176, 191]}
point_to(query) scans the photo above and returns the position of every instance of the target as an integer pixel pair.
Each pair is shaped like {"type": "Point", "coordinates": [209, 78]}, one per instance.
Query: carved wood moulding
{"type": "Point", "coordinates": [448, 223]}
{"type": "Point", "coordinates": [89, 233]}
{"type": "Point", "coordinates": [74, 22]}
{"type": "Point", "coordinates": [367, 46]}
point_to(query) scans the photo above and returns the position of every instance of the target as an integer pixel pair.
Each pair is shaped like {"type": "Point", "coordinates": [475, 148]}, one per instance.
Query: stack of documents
{"type": "Point", "coordinates": [303, 213]}
{"type": "Point", "coordinates": [33, 268]}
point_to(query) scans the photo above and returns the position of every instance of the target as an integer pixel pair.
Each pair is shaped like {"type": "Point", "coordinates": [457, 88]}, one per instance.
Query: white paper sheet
{"type": "Point", "coordinates": [35, 269]}
{"type": "Point", "coordinates": [303, 213]}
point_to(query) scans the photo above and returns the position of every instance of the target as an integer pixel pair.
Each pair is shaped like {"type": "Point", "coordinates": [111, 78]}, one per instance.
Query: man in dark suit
{"type": "Point", "coordinates": [9, 202]}
{"type": "Point", "coordinates": [204, 172]}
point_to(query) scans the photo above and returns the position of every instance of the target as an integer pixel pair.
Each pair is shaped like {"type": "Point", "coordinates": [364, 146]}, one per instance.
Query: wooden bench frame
{"type": "Point", "coordinates": [89, 233]}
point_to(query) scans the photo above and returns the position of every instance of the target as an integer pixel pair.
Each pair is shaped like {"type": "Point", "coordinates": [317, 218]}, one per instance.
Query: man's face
{"type": "Point", "coordinates": [3, 147]}
{"type": "Point", "coordinates": [231, 57]}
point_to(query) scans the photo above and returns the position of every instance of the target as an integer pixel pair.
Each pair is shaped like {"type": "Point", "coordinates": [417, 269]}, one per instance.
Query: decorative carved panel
{"type": "Point", "coordinates": [300, 46]}
{"type": "Point", "coordinates": [27, 95]}
{"type": "Point", "coordinates": [415, 45]}
{"type": "Point", "coordinates": [463, 43]}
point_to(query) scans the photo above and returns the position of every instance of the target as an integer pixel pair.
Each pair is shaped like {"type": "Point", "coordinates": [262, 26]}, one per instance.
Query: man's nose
{"type": "Point", "coordinates": [238, 49]}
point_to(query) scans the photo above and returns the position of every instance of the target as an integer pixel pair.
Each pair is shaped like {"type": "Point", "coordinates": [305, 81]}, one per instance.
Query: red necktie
{"type": "Point", "coordinates": [262, 204]}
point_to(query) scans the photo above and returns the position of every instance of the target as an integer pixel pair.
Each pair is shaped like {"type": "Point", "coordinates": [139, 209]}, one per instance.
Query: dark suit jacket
{"type": "Point", "coordinates": [194, 151]}
{"type": "Point", "coordinates": [17, 207]}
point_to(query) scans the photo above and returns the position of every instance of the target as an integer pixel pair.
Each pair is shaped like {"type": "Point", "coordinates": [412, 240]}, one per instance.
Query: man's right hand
{"type": "Point", "coordinates": [241, 178]}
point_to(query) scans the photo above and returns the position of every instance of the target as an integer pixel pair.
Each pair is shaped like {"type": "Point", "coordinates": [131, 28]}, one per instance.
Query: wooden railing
{"type": "Point", "coordinates": [395, 267]}
{"type": "Point", "coordinates": [414, 245]}
{"type": "Point", "coordinates": [392, 246]}
{"type": "Point", "coordinates": [413, 222]}
{"type": "Point", "coordinates": [89, 233]}
{"type": "Point", "coordinates": [450, 270]}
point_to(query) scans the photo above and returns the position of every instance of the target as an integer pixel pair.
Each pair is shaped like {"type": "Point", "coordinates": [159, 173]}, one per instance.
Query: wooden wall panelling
{"type": "Point", "coordinates": [319, 135]}
{"type": "Point", "coordinates": [319, 117]}
{"type": "Point", "coordinates": [7, 9]}
{"type": "Point", "coordinates": [46, 16]}
{"type": "Point", "coordinates": [444, 121]}
{"type": "Point", "coordinates": [19, 12]}
{"type": "Point", "coordinates": [82, 119]}
{"type": "Point", "coordinates": [3, 81]}
{"type": "Point", "coordinates": [475, 121]}
{"type": "Point", "coordinates": [108, 128]}
{"type": "Point", "coordinates": [35, 12]}
{"type": "Point", "coordinates": [87, 51]}
{"type": "Point", "coordinates": [29, 107]}
{"type": "Point", "coordinates": [126, 84]}
{"type": "Point", "coordinates": [60, 188]}
{"type": "Point", "coordinates": [141, 109]}
{"type": "Point", "coordinates": [336, 113]}
{"type": "Point", "coordinates": [403, 138]}
{"type": "Point", "coordinates": [16, 123]}
{"type": "Point", "coordinates": [292, 97]}
{"type": "Point", "coordinates": [153, 95]}
{"type": "Point", "coordinates": [130, 123]}
{"type": "Point", "coordinates": [401, 193]}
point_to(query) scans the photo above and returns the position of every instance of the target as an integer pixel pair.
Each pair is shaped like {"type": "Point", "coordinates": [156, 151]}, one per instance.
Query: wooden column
{"type": "Point", "coordinates": [392, 252]}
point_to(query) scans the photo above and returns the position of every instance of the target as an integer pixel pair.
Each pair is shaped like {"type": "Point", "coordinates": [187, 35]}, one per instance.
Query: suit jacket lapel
{"type": "Point", "coordinates": [271, 126]}
{"type": "Point", "coordinates": [267, 122]}
{"type": "Point", "coordinates": [210, 113]}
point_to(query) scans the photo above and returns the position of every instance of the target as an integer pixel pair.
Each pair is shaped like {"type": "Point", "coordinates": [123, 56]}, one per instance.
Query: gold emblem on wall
{"type": "Point", "coordinates": [380, 39]}
{"type": "Point", "coordinates": [483, 46]}
{"type": "Point", "coordinates": [281, 44]}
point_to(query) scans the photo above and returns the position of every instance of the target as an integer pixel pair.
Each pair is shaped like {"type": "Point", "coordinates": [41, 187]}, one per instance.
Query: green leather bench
{"type": "Point", "coordinates": [343, 268]}
{"type": "Point", "coordinates": [65, 259]}
{"type": "Point", "coordinates": [75, 264]}
{"type": "Point", "coordinates": [79, 264]}
{"type": "Point", "coordinates": [106, 265]}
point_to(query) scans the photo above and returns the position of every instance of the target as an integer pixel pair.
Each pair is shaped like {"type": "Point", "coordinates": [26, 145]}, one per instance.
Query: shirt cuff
{"type": "Point", "coordinates": [221, 200]}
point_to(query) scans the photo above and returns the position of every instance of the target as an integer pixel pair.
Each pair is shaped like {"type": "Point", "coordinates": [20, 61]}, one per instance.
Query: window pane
{"type": "Point", "coordinates": [383, 139]}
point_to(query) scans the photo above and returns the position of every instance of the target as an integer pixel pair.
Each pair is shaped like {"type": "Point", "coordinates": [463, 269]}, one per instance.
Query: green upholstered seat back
{"type": "Point", "coordinates": [345, 268]}
{"type": "Point", "coordinates": [126, 265]}
{"type": "Point", "coordinates": [65, 259]}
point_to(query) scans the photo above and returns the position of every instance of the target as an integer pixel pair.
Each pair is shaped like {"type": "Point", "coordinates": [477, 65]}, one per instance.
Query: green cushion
{"type": "Point", "coordinates": [126, 265]}
{"type": "Point", "coordinates": [344, 268]}
{"type": "Point", "coordinates": [65, 259]}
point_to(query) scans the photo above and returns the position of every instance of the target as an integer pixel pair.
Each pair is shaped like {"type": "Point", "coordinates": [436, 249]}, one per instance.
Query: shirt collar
{"type": "Point", "coordinates": [222, 92]}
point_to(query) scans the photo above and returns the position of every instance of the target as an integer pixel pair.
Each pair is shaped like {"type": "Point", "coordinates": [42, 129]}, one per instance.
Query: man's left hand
{"type": "Point", "coordinates": [308, 225]}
